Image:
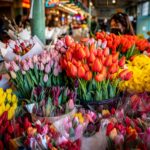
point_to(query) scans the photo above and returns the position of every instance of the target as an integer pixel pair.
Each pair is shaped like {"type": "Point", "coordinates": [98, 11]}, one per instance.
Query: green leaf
{"type": "Point", "coordinates": [60, 99]}
{"type": "Point", "coordinates": [71, 133]}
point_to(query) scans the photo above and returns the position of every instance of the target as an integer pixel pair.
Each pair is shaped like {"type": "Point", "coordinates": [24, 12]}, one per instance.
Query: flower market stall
{"type": "Point", "coordinates": [76, 95]}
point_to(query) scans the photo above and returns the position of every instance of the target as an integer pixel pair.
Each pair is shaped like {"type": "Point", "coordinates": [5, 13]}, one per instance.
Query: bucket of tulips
{"type": "Point", "coordinates": [51, 104]}
{"type": "Point", "coordinates": [94, 67]}
{"type": "Point", "coordinates": [42, 69]}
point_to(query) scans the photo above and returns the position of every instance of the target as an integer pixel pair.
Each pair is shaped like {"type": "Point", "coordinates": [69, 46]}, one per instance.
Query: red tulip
{"type": "Point", "coordinates": [1, 145]}
{"type": "Point", "coordinates": [73, 70]}
{"type": "Point", "coordinates": [106, 51]}
{"type": "Point", "coordinates": [123, 73]}
{"type": "Point", "coordinates": [113, 68]}
{"type": "Point", "coordinates": [122, 61]}
{"type": "Point", "coordinates": [110, 127]}
{"type": "Point", "coordinates": [81, 72]}
{"type": "Point", "coordinates": [115, 57]}
{"type": "Point", "coordinates": [91, 58]}
{"type": "Point", "coordinates": [128, 75]}
{"type": "Point", "coordinates": [88, 76]}
{"type": "Point", "coordinates": [68, 40]}
{"type": "Point", "coordinates": [108, 61]}
{"type": "Point", "coordinates": [97, 65]}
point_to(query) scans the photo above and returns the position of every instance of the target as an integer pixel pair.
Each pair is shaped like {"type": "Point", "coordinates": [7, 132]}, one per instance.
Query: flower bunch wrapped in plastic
{"type": "Point", "coordinates": [45, 136]}
{"type": "Point", "coordinates": [124, 132]}
{"type": "Point", "coordinates": [42, 69]}
{"type": "Point", "coordinates": [93, 66]}
{"type": "Point", "coordinates": [140, 82]}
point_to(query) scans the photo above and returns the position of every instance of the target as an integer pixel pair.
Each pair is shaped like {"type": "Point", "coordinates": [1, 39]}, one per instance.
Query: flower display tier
{"type": "Point", "coordinates": [76, 95]}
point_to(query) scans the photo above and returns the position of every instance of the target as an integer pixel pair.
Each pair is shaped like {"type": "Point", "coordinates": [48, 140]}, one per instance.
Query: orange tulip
{"type": "Point", "coordinates": [88, 76]}
{"type": "Point", "coordinates": [81, 72]}
{"type": "Point", "coordinates": [99, 77]}
{"type": "Point", "coordinates": [97, 65]}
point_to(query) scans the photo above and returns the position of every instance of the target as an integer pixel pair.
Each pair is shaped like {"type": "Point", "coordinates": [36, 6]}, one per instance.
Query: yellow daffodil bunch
{"type": "Point", "coordinates": [140, 82]}
{"type": "Point", "coordinates": [8, 102]}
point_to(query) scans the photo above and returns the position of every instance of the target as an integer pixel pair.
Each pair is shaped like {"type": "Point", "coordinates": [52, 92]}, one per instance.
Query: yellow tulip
{"type": "Point", "coordinates": [14, 98]}
{"type": "Point", "coordinates": [9, 97]}
{"type": "Point", "coordinates": [9, 91]}
{"type": "Point", "coordinates": [7, 107]}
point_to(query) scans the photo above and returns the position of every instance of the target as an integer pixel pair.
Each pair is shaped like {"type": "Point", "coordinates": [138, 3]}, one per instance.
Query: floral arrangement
{"type": "Point", "coordinates": [128, 45]}
{"type": "Point", "coordinates": [93, 66]}
{"type": "Point", "coordinates": [42, 69]}
{"type": "Point", "coordinates": [53, 101]}
{"type": "Point", "coordinates": [8, 105]}
{"type": "Point", "coordinates": [140, 82]}
{"type": "Point", "coordinates": [126, 135]}
{"type": "Point", "coordinates": [45, 136]}
{"type": "Point", "coordinates": [21, 47]}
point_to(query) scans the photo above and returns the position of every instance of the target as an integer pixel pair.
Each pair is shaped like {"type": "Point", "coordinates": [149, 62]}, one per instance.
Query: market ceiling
{"type": "Point", "coordinates": [108, 4]}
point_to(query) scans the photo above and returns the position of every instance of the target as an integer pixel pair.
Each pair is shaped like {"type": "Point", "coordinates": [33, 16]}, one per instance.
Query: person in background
{"type": "Point", "coordinates": [120, 24]}
{"type": "Point", "coordinates": [94, 25]}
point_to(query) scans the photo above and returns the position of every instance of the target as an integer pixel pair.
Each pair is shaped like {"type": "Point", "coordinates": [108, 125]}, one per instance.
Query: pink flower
{"type": "Point", "coordinates": [78, 131]}
{"type": "Point", "coordinates": [30, 63]}
{"type": "Point", "coordinates": [51, 63]}
{"type": "Point", "coordinates": [15, 66]}
{"type": "Point", "coordinates": [45, 78]}
{"type": "Point", "coordinates": [45, 129]}
{"type": "Point", "coordinates": [35, 59]}
{"type": "Point", "coordinates": [47, 68]}
{"type": "Point", "coordinates": [119, 139]}
{"type": "Point", "coordinates": [17, 58]}
{"type": "Point", "coordinates": [25, 66]}
{"type": "Point", "coordinates": [56, 71]}
{"type": "Point", "coordinates": [71, 104]}
{"type": "Point", "coordinates": [41, 67]}
{"type": "Point", "coordinates": [7, 65]}
{"type": "Point", "coordinates": [61, 139]}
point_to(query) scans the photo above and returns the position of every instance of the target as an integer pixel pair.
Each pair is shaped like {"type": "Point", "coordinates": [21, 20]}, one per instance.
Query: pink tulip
{"type": "Point", "coordinates": [35, 59]}
{"type": "Point", "coordinates": [25, 66]}
{"type": "Point", "coordinates": [56, 71]}
{"type": "Point", "coordinates": [45, 129]}
{"type": "Point", "coordinates": [47, 68]}
{"type": "Point", "coordinates": [15, 66]}
{"type": "Point", "coordinates": [45, 78]}
{"type": "Point", "coordinates": [71, 104]}
{"type": "Point", "coordinates": [41, 67]}
{"type": "Point", "coordinates": [119, 139]}
{"type": "Point", "coordinates": [78, 131]}
{"type": "Point", "coordinates": [7, 65]}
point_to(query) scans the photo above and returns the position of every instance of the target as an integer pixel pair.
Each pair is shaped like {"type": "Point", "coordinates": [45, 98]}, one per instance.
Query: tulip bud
{"type": "Point", "coordinates": [45, 78]}
{"type": "Point", "coordinates": [13, 74]}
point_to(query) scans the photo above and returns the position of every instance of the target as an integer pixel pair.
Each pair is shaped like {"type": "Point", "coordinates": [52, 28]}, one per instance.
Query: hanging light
{"type": "Point", "coordinates": [114, 1]}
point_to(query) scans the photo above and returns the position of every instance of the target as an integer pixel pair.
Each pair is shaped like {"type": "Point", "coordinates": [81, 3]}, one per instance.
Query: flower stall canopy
{"type": "Point", "coordinates": [51, 3]}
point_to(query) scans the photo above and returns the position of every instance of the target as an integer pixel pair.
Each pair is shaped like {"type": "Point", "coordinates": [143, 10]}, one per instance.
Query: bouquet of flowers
{"type": "Point", "coordinates": [45, 136]}
{"type": "Point", "coordinates": [22, 48]}
{"type": "Point", "coordinates": [93, 67]}
{"type": "Point", "coordinates": [43, 69]}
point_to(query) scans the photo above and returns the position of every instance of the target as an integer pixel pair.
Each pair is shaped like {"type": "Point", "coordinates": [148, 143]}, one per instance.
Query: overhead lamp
{"type": "Point", "coordinates": [114, 1]}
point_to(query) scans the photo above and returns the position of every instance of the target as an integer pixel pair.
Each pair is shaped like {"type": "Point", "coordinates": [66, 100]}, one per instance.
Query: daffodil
{"type": "Point", "coordinates": [140, 82]}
